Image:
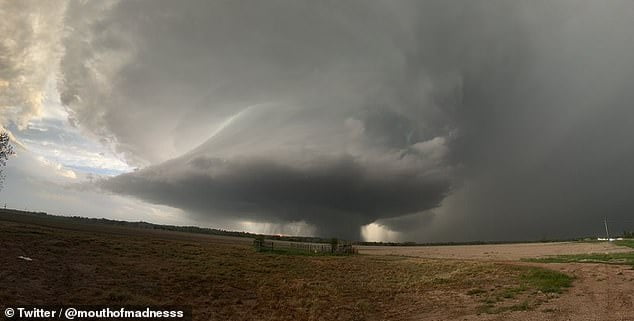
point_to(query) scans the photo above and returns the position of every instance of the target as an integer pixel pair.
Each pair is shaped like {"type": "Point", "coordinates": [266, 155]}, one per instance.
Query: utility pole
{"type": "Point", "coordinates": [607, 232]}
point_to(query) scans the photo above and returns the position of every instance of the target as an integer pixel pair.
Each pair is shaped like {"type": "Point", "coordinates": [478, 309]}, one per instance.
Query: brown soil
{"type": "Point", "coordinates": [225, 279]}
{"type": "Point", "coordinates": [496, 252]}
{"type": "Point", "coordinates": [601, 292]}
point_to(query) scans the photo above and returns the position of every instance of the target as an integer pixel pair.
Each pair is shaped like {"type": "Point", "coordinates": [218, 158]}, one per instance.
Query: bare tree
{"type": "Point", "coordinates": [6, 150]}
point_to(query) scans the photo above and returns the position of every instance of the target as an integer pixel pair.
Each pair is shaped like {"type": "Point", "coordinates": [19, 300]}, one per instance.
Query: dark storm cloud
{"type": "Point", "coordinates": [366, 111]}
{"type": "Point", "coordinates": [337, 196]}
{"type": "Point", "coordinates": [186, 67]}
{"type": "Point", "coordinates": [411, 223]}
{"type": "Point", "coordinates": [543, 135]}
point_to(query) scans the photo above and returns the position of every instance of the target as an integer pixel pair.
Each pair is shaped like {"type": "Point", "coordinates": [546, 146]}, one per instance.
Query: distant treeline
{"type": "Point", "coordinates": [146, 225]}
{"type": "Point", "coordinates": [221, 232]}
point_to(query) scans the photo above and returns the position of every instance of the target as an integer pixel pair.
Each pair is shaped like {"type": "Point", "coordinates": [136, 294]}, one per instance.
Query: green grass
{"type": "Point", "coordinates": [226, 279]}
{"type": "Point", "coordinates": [531, 289]}
{"type": "Point", "coordinates": [605, 258]}
{"type": "Point", "coordinates": [546, 281]}
{"type": "Point", "coordinates": [627, 243]}
{"type": "Point", "coordinates": [612, 258]}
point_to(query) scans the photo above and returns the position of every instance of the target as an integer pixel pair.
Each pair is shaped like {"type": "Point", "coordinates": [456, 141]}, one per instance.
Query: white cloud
{"type": "Point", "coordinates": [52, 137]}
{"type": "Point", "coordinates": [36, 184]}
{"type": "Point", "coordinates": [293, 228]}
{"type": "Point", "coordinates": [374, 232]}
{"type": "Point", "coordinates": [31, 33]}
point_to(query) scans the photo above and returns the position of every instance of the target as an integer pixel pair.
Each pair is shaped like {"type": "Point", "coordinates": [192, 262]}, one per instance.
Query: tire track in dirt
{"type": "Point", "coordinates": [600, 292]}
